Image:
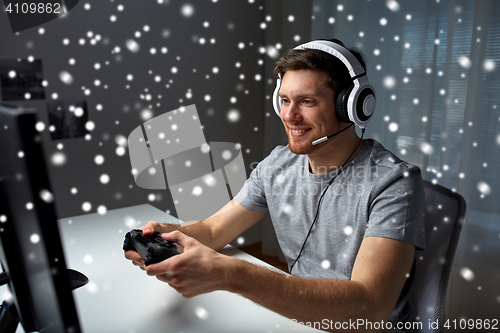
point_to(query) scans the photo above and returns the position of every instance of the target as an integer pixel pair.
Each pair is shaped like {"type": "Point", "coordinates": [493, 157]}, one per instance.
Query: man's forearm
{"type": "Point", "coordinates": [198, 230]}
{"type": "Point", "coordinates": [305, 300]}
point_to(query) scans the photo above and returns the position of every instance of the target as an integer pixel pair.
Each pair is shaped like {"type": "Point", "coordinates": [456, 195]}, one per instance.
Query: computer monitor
{"type": "Point", "coordinates": [31, 252]}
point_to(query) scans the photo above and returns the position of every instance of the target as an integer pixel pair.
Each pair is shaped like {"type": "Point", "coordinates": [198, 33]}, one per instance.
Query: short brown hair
{"type": "Point", "coordinates": [319, 61]}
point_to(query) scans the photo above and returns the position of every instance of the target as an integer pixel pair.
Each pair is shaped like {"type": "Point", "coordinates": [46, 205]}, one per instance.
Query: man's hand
{"type": "Point", "coordinates": [149, 229]}
{"type": "Point", "coordinates": [198, 270]}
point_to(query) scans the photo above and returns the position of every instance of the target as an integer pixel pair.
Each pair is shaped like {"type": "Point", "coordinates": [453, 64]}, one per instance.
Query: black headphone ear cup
{"type": "Point", "coordinates": [365, 104]}
{"type": "Point", "coordinates": [341, 105]}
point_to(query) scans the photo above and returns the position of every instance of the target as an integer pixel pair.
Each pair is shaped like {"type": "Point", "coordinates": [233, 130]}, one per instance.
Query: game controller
{"type": "Point", "coordinates": [151, 248]}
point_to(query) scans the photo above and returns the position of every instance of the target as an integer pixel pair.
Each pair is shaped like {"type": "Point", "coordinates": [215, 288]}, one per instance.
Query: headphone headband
{"type": "Point", "coordinates": [347, 58]}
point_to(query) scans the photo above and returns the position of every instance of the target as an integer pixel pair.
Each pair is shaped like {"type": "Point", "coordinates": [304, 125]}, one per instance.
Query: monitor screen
{"type": "Point", "coordinates": [31, 252]}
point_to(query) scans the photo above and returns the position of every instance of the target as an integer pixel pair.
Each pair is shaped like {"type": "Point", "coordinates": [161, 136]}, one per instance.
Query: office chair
{"type": "Point", "coordinates": [444, 212]}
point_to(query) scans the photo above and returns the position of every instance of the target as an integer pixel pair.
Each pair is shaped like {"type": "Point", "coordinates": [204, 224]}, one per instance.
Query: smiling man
{"type": "Point", "coordinates": [347, 212]}
{"type": "Point", "coordinates": [308, 101]}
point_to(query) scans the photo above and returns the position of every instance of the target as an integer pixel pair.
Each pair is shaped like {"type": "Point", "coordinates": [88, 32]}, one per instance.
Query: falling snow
{"type": "Point", "coordinates": [389, 82]}
{"type": "Point", "coordinates": [348, 230]}
{"type": "Point", "coordinates": [467, 274]}
{"type": "Point", "coordinates": [233, 115]}
{"type": "Point", "coordinates": [66, 77]}
{"type": "Point", "coordinates": [210, 180]}
{"type": "Point", "coordinates": [464, 62]}
{"type": "Point", "coordinates": [58, 159]}
{"type": "Point", "coordinates": [197, 191]}
{"type": "Point", "coordinates": [287, 208]}
{"type": "Point", "coordinates": [92, 287]}
{"type": "Point", "coordinates": [393, 5]}
{"type": "Point", "coordinates": [426, 148]}
{"type": "Point", "coordinates": [484, 188]}
{"type": "Point", "coordinates": [187, 10]}
{"type": "Point", "coordinates": [489, 65]}
{"type": "Point", "coordinates": [35, 238]}
{"type": "Point", "coordinates": [46, 196]}
{"type": "Point", "coordinates": [102, 210]}
{"type": "Point", "coordinates": [130, 222]}
{"type": "Point", "coordinates": [201, 312]}
{"type": "Point", "coordinates": [88, 259]}
{"type": "Point", "coordinates": [40, 126]}
{"type": "Point", "coordinates": [86, 206]}
{"type": "Point", "coordinates": [226, 154]}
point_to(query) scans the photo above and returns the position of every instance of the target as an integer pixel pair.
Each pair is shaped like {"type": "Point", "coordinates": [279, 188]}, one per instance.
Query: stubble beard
{"type": "Point", "coordinates": [302, 148]}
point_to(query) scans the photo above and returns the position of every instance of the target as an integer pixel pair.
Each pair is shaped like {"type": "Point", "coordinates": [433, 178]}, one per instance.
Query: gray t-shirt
{"type": "Point", "coordinates": [376, 194]}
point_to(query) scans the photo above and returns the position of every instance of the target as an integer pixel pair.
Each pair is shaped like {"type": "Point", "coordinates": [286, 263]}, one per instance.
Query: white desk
{"type": "Point", "coordinates": [122, 298]}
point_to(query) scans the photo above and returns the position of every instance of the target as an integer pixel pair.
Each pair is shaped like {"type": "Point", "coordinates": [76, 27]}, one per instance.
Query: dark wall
{"type": "Point", "coordinates": [215, 50]}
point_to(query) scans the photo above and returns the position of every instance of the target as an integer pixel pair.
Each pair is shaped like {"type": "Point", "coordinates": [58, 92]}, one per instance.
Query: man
{"type": "Point", "coordinates": [347, 214]}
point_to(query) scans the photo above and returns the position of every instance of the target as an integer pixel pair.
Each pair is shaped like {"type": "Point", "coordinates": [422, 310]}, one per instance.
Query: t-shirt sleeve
{"type": "Point", "coordinates": [396, 210]}
{"type": "Point", "coordinates": [252, 195]}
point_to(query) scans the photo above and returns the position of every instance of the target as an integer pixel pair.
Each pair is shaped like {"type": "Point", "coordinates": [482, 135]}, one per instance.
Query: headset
{"type": "Point", "coordinates": [354, 104]}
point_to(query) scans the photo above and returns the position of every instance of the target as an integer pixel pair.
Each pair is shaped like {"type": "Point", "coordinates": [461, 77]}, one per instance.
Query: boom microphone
{"type": "Point", "coordinates": [315, 142]}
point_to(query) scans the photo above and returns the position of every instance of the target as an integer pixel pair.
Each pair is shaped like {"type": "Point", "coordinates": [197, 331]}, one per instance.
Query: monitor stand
{"type": "Point", "coordinates": [9, 319]}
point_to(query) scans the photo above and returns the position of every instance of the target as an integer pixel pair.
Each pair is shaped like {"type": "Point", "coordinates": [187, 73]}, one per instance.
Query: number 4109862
{"type": "Point", "coordinates": [40, 8]}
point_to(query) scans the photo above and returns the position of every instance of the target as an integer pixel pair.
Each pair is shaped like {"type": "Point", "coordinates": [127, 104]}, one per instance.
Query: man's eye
{"type": "Point", "coordinates": [285, 101]}
{"type": "Point", "coordinates": [307, 102]}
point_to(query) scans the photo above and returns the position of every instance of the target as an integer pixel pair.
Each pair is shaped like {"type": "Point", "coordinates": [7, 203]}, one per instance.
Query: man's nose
{"type": "Point", "coordinates": [290, 113]}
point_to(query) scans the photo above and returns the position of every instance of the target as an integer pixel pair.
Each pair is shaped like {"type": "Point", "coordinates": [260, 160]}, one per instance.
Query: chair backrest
{"type": "Point", "coordinates": [444, 215]}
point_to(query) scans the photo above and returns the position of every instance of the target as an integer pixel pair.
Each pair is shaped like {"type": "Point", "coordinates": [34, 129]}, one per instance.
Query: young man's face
{"type": "Point", "coordinates": [308, 109]}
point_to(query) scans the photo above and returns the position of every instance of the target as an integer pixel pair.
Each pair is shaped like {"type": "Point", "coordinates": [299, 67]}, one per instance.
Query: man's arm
{"type": "Point", "coordinates": [378, 276]}
{"type": "Point", "coordinates": [221, 228]}
{"type": "Point", "coordinates": [215, 232]}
